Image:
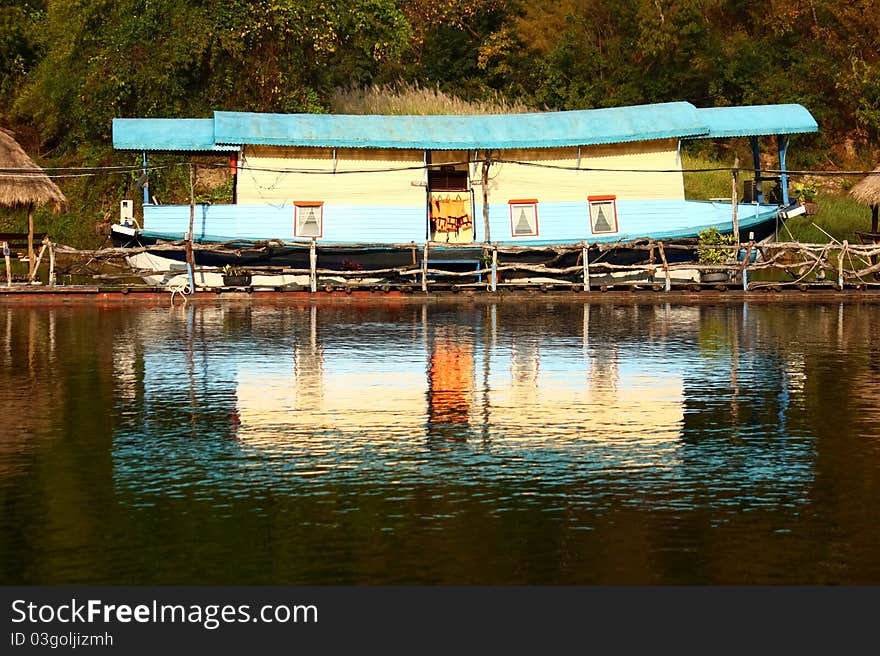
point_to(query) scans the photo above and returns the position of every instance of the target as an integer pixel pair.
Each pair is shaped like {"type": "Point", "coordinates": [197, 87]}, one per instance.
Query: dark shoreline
{"type": "Point", "coordinates": [691, 293]}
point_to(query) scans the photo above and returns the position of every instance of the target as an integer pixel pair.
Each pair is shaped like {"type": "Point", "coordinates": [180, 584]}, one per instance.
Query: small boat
{"type": "Point", "coordinates": [372, 191]}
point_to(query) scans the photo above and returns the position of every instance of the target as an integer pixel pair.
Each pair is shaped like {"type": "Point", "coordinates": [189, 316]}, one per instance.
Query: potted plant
{"type": "Point", "coordinates": [236, 276]}
{"type": "Point", "coordinates": [805, 193]}
{"type": "Point", "coordinates": [708, 253]}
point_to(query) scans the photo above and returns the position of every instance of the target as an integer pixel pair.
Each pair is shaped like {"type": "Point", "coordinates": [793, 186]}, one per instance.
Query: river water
{"type": "Point", "coordinates": [538, 442]}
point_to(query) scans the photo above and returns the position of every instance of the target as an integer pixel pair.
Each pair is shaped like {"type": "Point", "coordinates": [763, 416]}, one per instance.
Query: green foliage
{"type": "Point", "coordinates": [705, 177]}
{"type": "Point", "coordinates": [839, 216]}
{"type": "Point", "coordinates": [68, 67]}
{"type": "Point", "coordinates": [805, 191]}
{"type": "Point", "coordinates": [708, 238]}
{"type": "Point", "coordinates": [220, 194]}
{"type": "Point", "coordinates": [166, 58]}
{"type": "Point", "coordinates": [19, 49]}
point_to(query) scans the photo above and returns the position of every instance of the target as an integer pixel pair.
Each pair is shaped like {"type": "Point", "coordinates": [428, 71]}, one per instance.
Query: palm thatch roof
{"type": "Point", "coordinates": [867, 191]}
{"type": "Point", "coordinates": [23, 183]}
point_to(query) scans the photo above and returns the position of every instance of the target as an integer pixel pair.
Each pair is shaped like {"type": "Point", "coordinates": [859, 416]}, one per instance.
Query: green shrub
{"type": "Point", "coordinates": [707, 239]}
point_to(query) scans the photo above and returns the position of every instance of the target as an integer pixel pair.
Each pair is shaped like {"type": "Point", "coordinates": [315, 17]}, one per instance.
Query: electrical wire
{"type": "Point", "coordinates": [92, 171]}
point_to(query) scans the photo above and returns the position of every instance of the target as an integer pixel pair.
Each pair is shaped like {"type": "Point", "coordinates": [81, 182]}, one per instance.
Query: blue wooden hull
{"type": "Point", "coordinates": [260, 249]}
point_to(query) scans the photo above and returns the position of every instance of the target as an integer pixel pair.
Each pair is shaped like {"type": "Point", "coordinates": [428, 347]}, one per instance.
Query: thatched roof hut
{"type": "Point", "coordinates": [23, 183]}
{"type": "Point", "coordinates": [867, 191]}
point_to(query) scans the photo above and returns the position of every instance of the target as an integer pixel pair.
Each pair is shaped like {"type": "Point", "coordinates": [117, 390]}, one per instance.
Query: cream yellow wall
{"type": "Point", "coordinates": [268, 177]}
{"type": "Point", "coordinates": [268, 174]}
{"type": "Point", "coordinates": [516, 181]}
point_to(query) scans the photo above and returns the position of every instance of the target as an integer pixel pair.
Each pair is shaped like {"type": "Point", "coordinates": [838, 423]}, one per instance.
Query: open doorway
{"type": "Point", "coordinates": [450, 198]}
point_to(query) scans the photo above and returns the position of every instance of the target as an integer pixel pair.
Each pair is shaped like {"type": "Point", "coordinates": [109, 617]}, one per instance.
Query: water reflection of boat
{"type": "Point", "coordinates": [455, 380]}
{"type": "Point", "coordinates": [311, 391]}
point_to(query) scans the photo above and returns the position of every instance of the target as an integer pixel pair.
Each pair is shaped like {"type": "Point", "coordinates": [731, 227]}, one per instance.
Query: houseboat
{"type": "Point", "coordinates": [363, 188]}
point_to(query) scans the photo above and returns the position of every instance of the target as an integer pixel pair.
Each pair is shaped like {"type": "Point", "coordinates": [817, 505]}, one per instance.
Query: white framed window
{"type": "Point", "coordinates": [524, 217]}
{"type": "Point", "coordinates": [603, 214]}
{"type": "Point", "coordinates": [308, 218]}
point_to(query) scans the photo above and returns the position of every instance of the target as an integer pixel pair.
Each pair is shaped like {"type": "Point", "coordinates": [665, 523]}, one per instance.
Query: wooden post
{"type": "Point", "coordinates": [495, 268]}
{"type": "Point", "coordinates": [51, 262]}
{"type": "Point", "coordinates": [190, 255]}
{"type": "Point", "coordinates": [746, 260]}
{"type": "Point", "coordinates": [734, 200]}
{"type": "Point", "coordinates": [37, 263]}
{"type": "Point", "coordinates": [840, 265]}
{"type": "Point", "coordinates": [313, 265]}
{"type": "Point", "coordinates": [30, 211]}
{"type": "Point", "coordinates": [425, 268]}
{"type": "Point", "coordinates": [875, 223]}
{"type": "Point", "coordinates": [8, 261]}
{"type": "Point", "coordinates": [484, 182]}
{"type": "Point", "coordinates": [668, 285]}
{"type": "Point", "coordinates": [756, 159]}
{"type": "Point", "coordinates": [586, 265]}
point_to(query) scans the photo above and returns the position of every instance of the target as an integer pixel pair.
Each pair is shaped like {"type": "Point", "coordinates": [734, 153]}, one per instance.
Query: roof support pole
{"type": "Point", "coordinates": [146, 182]}
{"type": "Point", "coordinates": [190, 255]}
{"type": "Point", "coordinates": [234, 161]}
{"type": "Point", "coordinates": [487, 155]}
{"type": "Point", "coordinates": [782, 147]}
{"type": "Point", "coordinates": [30, 212]}
{"type": "Point", "coordinates": [8, 263]}
{"type": "Point", "coordinates": [734, 201]}
{"type": "Point", "coordinates": [427, 178]}
{"type": "Point", "coordinates": [875, 223]}
{"type": "Point", "coordinates": [756, 156]}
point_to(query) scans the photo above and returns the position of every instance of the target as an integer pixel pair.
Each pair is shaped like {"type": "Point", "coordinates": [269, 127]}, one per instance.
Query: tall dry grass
{"type": "Point", "coordinates": [409, 99]}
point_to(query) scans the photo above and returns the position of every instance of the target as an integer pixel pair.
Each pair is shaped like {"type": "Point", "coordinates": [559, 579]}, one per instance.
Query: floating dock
{"type": "Point", "coordinates": [25, 294]}
{"type": "Point", "coordinates": [749, 270]}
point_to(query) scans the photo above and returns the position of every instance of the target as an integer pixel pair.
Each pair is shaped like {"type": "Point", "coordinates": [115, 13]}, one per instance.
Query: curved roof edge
{"type": "Point", "coordinates": [757, 120]}
{"type": "Point", "coordinates": [453, 132]}
{"type": "Point", "coordinates": [226, 131]}
{"type": "Point", "coordinates": [166, 134]}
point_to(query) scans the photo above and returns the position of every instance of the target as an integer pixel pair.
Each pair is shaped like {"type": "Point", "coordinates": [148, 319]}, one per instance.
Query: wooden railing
{"type": "Point", "coordinates": [578, 266]}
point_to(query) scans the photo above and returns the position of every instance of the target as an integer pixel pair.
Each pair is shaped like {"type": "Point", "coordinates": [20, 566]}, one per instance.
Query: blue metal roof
{"type": "Point", "coordinates": [228, 130]}
{"type": "Point", "coordinates": [756, 120]}
{"type": "Point", "coordinates": [448, 132]}
{"type": "Point", "coordinates": [171, 134]}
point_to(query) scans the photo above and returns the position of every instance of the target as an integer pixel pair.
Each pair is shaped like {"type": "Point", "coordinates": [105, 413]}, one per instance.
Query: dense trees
{"type": "Point", "coordinates": [67, 67]}
{"type": "Point", "coordinates": [107, 58]}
